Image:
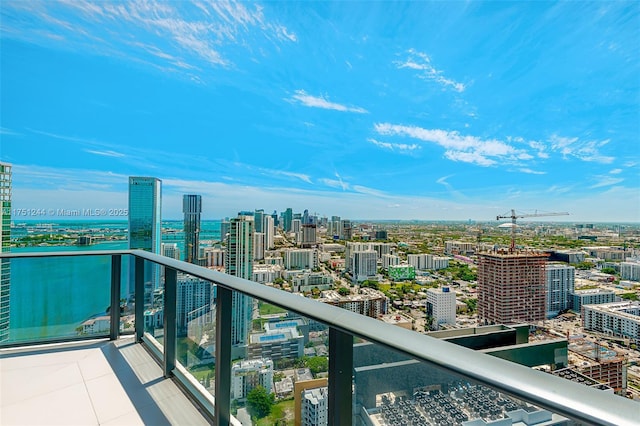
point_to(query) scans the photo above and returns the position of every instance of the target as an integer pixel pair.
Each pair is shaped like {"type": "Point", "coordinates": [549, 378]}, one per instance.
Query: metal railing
{"type": "Point", "coordinates": [577, 402]}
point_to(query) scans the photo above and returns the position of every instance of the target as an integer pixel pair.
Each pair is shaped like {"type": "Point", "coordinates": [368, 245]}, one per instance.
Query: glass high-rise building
{"type": "Point", "coordinates": [192, 209]}
{"type": "Point", "coordinates": [239, 263]}
{"type": "Point", "coordinates": [145, 221]}
{"type": "Point", "coordinates": [257, 219]}
{"type": "Point", "coordinates": [287, 219]}
{"type": "Point", "coordinates": [5, 241]}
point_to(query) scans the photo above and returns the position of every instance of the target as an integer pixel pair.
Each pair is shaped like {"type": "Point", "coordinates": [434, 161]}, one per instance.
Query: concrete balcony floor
{"type": "Point", "coordinates": [90, 383]}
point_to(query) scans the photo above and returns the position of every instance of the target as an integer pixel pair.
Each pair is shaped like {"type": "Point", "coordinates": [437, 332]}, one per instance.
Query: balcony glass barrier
{"type": "Point", "coordinates": [196, 328]}
{"type": "Point", "coordinates": [153, 300]}
{"type": "Point", "coordinates": [285, 354]}
{"type": "Point", "coordinates": [57, 298]}
{"type": "Point", "coordinates": [376, 373]}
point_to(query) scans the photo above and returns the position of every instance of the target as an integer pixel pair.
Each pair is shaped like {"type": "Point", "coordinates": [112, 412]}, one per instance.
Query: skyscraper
{"type": "Point", "coordinates": [145, 202]}
{"type": "Point", "coordinates": [269, 232]}
{"type": "Point", "coordinates": [287, 219]}
{"type": "Point", "coordinates": [511, 287]}
{"type": "Point", "coordinates": [257, 219]}
{"type": "Point", "coordinates": [192, 208]}
{"type": "Point", "coordinates": [308, 236]}
{"type": "Point", "coordinates": [5, 241]}
{"type": "Point", "coordinates": [239, 262]}
{"type": "Point", "coordinates": [145, 223]}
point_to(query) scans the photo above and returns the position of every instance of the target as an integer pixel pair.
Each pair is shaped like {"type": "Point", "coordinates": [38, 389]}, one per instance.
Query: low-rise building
{"type": "Point", "coordinates": [99, 324]}
{"type": "Point", "coordinates": [308, 280]}
{"type": "Point", "coordinates": [315, 407]}
{"type": "Point", "coordinates": [266, 273]}
{"type": "Point", "coordinates": [620, 319]}
{"type": "Point", "coordinates": [593, 296]}
{"type": "Point", "coordinates": [402, 272]}
{"type": "Point", "coordinates": [630, 271]}
{"type": "Point", "coordinates": [369, 302]}
{"type": "Point", "coordinates": [423, 262]}
{"type": "Point", "coordinates": [398, 320]}
{"type": "Point", "coordinates": [459, 247]}
{"type": "Point", "coordinates": [246, 375]}
{"type": "Point", "coordinates": [276, 344]}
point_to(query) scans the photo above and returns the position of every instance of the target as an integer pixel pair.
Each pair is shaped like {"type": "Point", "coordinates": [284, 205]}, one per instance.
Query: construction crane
{"type": "Point", "coordinates": [513, 216]}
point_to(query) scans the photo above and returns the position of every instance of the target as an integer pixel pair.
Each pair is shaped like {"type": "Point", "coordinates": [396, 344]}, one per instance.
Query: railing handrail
{"type": "Point", "coordinates": [542, 389]}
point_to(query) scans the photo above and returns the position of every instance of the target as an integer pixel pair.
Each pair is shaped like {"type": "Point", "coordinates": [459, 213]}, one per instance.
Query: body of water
{"type": "Point", "coordinates": [51, 297]}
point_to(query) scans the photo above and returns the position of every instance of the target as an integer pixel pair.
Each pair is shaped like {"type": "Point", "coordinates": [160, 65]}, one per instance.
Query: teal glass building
{"type": "Point", "coordinates": [145, 223]}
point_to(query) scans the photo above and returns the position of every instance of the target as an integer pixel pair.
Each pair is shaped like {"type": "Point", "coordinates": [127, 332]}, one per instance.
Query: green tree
{"type": "Point", "coordinates": [260, 402]}
{"type": "Point", "coordinates": [317, 364]}
{"type": "Point", "coordinates": [343, 291]}
{"type": "Point", "coordinates": [609, 270]}
{"type": "Point", "coordinates": [371, 284]}
{"type": "Point", "coordinates": [471, 304]}
{"type": "Point", "coordinates": [629, 296]}
{"type": "Point", "coordinates": [584, 265]}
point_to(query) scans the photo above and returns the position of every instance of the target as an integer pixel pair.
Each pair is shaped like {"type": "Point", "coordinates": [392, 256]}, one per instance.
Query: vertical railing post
{"type": "Point", "coordinates": [116, 268]}
{"type": "Point", "coordinates": [170, 325]}
{"type": "Point", "coordinates": [340, 377]}
{"type": "Point", "coordinates": [139, 296]}
{"type": "Point", "coordinates": [223, 356]}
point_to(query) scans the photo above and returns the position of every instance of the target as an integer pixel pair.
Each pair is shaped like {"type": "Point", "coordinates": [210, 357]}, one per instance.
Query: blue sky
{"type": "Point", "coordinates": [366, 110]}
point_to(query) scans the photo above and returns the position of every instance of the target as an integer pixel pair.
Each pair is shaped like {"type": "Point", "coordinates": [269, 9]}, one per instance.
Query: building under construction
{"type": "Point", "coordinates": [598, 362]}
{"type": "Point", "coordinates": [511, 287]}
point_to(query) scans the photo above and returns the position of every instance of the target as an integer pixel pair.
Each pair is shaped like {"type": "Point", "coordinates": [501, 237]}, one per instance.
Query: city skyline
{"type": "Point", "coordinates": [368, 110]}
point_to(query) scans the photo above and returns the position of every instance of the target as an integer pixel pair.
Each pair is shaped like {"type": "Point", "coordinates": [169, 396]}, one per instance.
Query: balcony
{"type": "Point", "coordinates": [99, 337]}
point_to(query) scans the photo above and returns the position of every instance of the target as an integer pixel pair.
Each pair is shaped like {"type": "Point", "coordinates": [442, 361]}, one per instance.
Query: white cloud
{"type": "Point", "coordinates": [106, 153]}
{"type": "Point", "coordinates": [369, 191]}
{"type": "Point", "coordinates": [541, 149]}
{"type": "Point", "coordinates": [532, 172]}
{"type": "Point", "coordinates": [604, 180]}
{"type": "Point", "coordinates": [303, 177]}
{"type": "Point", "coordinates": [396, 147]}
{"type": "Point", "coordinates": [334, 183]}
{"type": "Point", "coordinates": [468, 149]}
{"type": "Point", "coordinates": [582, 150]}
{"type": "Point", "coordinates": [615, 171]}
{"type": "Point", "coordinates": [443, 181]}
{"type": "Point", "coordinates": [5, 131]}
{"type": "Point", "coordinates": [422, 62]}
{"type": "Point", "coordinates": [80, 188]}
{"type": "Point", "coordinates": [176, 33]}
{"type": "Point", "coordinates": [321, 102]}
{"type": "Point", "coordinates": [68, 179]}
{"type": "Point", "coordinates": [469, 157]}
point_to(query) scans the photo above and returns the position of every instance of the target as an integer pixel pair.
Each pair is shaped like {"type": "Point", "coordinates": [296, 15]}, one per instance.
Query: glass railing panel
{"type": "Point", "coordinates": [286, 354]}
{"type": "Point", "coordinates": [127, 298]}
{"type": "Point", "coordinates": [391, 388]}
{"type": "Point", "coordinates": [196, 328]}
{"type": "Point", "coordinates": [55, 298]}
{"type": "Point", "coordinates": [153, 300]}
